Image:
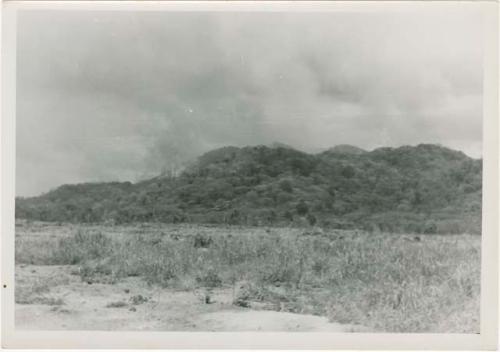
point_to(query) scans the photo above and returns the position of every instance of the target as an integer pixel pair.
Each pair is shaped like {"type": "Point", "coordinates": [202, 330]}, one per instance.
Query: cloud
{"type": "Point", "coordinates": [122, 95]}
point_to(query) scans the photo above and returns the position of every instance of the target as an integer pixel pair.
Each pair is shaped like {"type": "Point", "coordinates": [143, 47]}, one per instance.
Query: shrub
{"type": "Point", "coordinates": [209, 278]}
{"type": "Point", "coordinates": [202, 241]}
{"type": "Point", "coordinates": [138, 299]}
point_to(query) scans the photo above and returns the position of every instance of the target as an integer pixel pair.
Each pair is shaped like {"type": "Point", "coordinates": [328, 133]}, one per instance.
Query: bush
{"type": "Point", "coordinates": [138, 299]}
{"type": "Point", "coordinates": [202, 241]}
{"type": "Point", "coordinates": [209, 278]}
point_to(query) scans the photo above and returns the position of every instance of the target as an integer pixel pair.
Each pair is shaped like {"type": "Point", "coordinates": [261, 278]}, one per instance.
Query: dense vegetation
{"type": "Point", "coordinates": [422, 189]}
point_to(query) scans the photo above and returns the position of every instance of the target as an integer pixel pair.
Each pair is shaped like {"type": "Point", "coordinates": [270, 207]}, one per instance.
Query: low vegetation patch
{"type": "Point", "coordinates": [118, 304]}
{"type": "Point", "coordinates": [49, 301]}
{"type": "Point", "coordinates": [384, 281]}
{"type": "Point", "coordinates": [37, 291]}
{"type": "Point", "coordinates": [138, 299]}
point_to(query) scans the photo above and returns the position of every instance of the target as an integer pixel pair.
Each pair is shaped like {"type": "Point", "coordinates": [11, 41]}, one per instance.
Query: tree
{"type": "Point", "coordinates": [311, 219]}
{"type": "Point", "coordinates": [286, 186]}
{"type": "Point", "coordinates": [302, 208]}
{"type": "Point", "coordinates": [348, 172]}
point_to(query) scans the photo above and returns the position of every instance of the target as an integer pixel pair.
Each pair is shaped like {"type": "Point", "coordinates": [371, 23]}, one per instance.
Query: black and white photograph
{"type": "Point", "coordinates": [249, 171]}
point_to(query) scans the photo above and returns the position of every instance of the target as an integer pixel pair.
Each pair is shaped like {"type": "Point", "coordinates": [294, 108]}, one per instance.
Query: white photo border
{"type": "Point", "coordinates": [487, 339]}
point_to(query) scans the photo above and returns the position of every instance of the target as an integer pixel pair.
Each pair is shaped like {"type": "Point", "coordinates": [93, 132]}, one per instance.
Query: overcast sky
{"type": "Point", "coordinates": [121, 95]}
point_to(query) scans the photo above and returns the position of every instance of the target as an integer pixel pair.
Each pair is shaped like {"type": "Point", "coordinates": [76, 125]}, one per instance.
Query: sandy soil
{"type": "Point", "coordinates": [55, 299]}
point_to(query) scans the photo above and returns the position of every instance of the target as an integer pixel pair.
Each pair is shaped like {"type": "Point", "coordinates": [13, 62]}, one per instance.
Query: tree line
{"type": "Point", "coordinates": [421, 189]}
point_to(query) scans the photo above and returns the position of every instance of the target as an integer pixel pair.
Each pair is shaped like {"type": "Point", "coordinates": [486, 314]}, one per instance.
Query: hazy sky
{"type": "Point", "coordinates": [121, 95]}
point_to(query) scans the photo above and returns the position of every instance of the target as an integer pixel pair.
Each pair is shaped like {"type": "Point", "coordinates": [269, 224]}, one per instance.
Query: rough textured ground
{"type": "Point", "coordinates": [387, 282]}
{"type": "Point", "coordinates": [54, 298]}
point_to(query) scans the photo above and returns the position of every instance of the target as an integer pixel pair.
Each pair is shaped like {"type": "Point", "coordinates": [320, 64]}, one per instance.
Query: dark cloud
{"type": "Point", "coordinates": [123, 95]}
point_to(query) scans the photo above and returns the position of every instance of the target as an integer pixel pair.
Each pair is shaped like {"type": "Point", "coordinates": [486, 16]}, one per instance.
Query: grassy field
{"type": "Point", "coordinates": [385, 282]}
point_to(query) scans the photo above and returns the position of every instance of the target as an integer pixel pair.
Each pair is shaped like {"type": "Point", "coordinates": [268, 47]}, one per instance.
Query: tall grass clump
{"type": "Point", "coordinates": [82, 246]}
{"type": "Point", "coordinates": [74, 248]}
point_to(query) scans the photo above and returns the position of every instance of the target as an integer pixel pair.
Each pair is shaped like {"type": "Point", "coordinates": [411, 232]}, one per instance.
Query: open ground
{"type": "Point", "coordinates": [232, 278]}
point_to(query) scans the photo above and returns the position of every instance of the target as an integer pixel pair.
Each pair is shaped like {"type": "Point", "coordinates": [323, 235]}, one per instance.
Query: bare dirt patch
{"type": "Point", "coordinates": [264, 320]}
{"type": "Point", "coordinates": [144, 307]}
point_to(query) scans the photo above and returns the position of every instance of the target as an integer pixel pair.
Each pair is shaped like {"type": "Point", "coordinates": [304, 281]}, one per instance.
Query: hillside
{"type": "Point", "coordinates": [421, 189]}
{"type": "Point", "coordinates": [346, 149]}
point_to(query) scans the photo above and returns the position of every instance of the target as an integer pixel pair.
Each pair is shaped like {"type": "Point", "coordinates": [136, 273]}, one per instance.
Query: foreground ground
{"type": "Point", "coordinates": [195, 278]}
{"type": "Point", "coordinates": [133, 305]}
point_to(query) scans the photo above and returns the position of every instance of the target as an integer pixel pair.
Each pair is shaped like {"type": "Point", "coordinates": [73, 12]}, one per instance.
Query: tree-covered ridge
{"type": "Point", "coordinates": [427, 188]}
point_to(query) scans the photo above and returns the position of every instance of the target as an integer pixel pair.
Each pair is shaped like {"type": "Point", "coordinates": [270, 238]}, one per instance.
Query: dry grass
{"type": "Point", "coordinates": [37, 292]}
{"type": "Point", "coordinates": [388, 282]}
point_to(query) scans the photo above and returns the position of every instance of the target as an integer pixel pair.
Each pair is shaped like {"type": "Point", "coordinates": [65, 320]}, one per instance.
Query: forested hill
{"type": "Point", "coordinates": [422, 189]}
